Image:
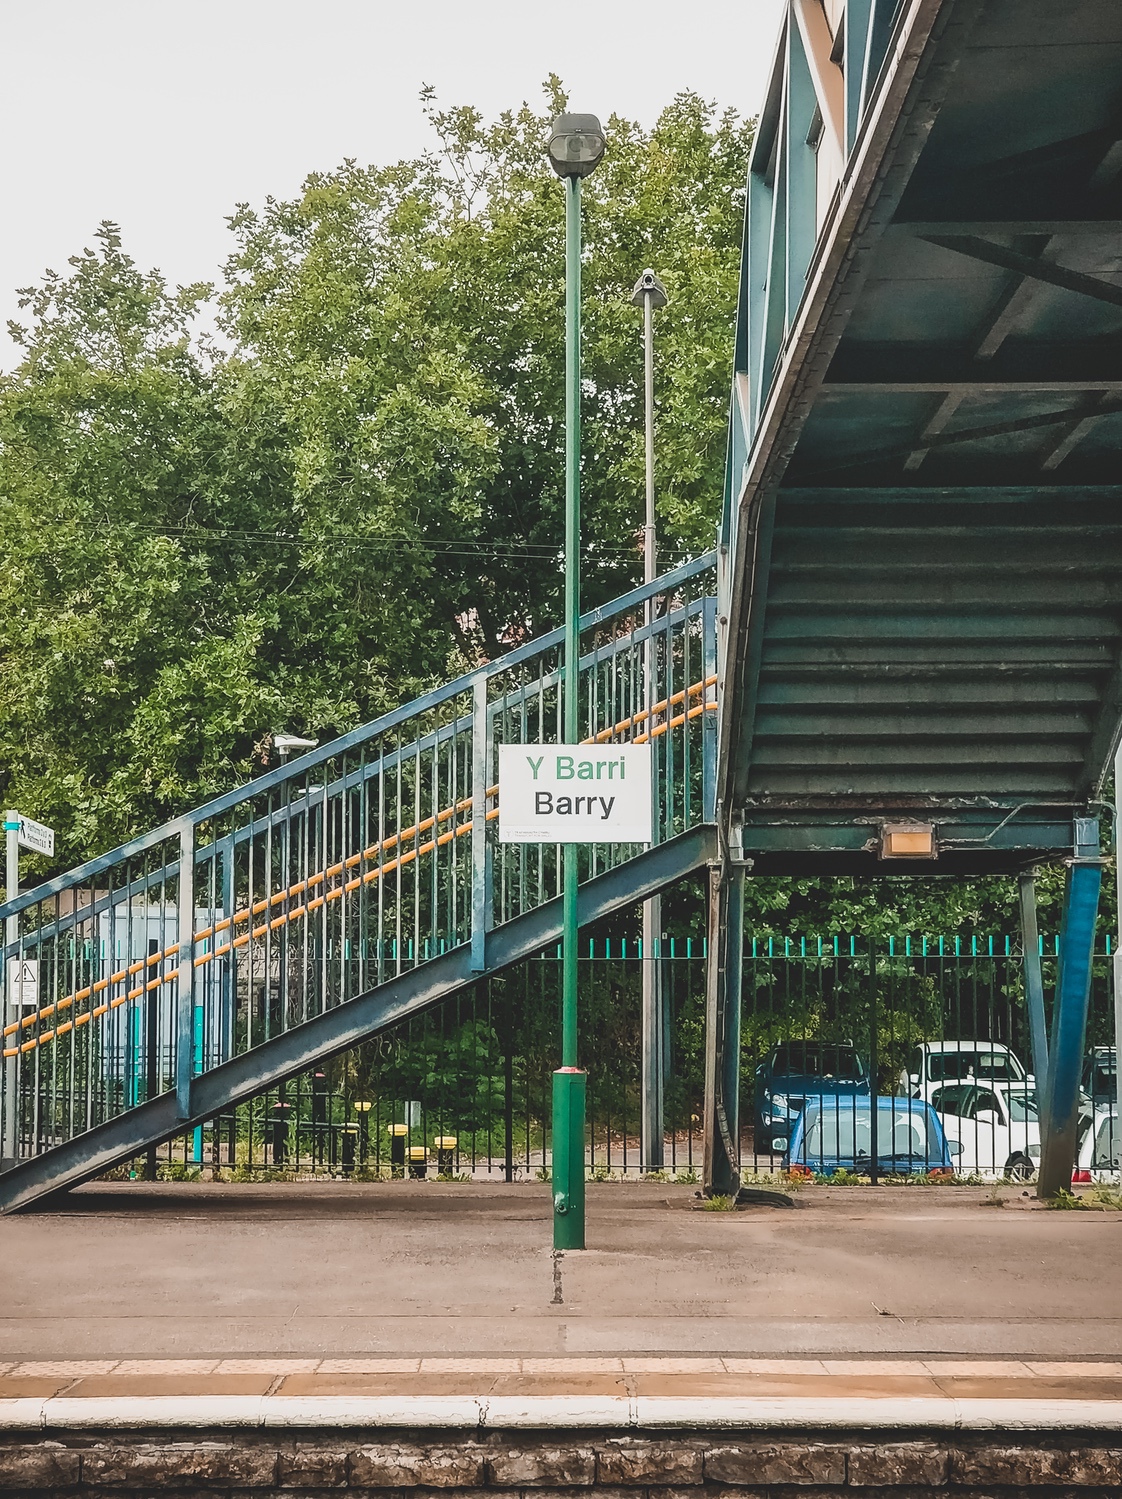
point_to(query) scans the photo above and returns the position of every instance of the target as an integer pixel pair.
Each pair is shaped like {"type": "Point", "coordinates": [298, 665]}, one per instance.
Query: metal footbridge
{"type": "Point", "coordinates": [904, 657]}
{"type": "Point", "coordinates": [280, 924]}
{"type": "Point", "coordinates": [921, 548]}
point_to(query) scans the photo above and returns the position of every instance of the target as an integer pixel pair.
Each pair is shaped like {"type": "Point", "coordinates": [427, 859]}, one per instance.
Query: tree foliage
{"type": "Point", "coordinates": [357, 485]}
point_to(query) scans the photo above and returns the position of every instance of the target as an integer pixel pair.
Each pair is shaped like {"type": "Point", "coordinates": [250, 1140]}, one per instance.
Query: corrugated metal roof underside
{"type": "Point", "coordinates": [936, 643]}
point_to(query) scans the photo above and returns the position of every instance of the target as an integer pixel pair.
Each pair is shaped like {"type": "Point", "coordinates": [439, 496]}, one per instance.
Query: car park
{"type": "Point", "coordinates": [996, 1124]}
{"type": "Point", "coordinates": [904, 1137]}
{"type": "Point", "coordinates": [798, 1072]}
{"type": "Point", "coordinates": [934, 1064]}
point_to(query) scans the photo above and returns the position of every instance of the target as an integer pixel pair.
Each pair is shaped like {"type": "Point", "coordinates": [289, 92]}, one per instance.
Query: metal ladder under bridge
{"type": "Point", "coordinates": [283, 922]}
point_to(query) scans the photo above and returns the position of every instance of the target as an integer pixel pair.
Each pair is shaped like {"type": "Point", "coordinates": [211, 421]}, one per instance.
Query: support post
{"type": "Point", "coordinates": [708, 718]}
{"type": "Point", "coordinates": [480, 901]}
{"type": "Point", "coordinates": [227, 976]}
{"type": "Point", "coordinates": [569, 1081]}
{"type": "Point", "coordinates": [185, 978]}
{"type": "Point", "coordinates": [652, 1064]}
{"type": "Point", "coordinates": [652, 1061]}
{"type": "Point", "coordinates": [10, 1146]}
{"type": "Point", "coordinates": [1069, 1012]}
{"type": "Point", "coordinates": [1116, 1132]}
{"type": "Point", "coordinates": [1034, 983]}
{"type": "Point", "coordinates": [724, 963]}
{"type": "Point", "coordinates": [1116, 1149]}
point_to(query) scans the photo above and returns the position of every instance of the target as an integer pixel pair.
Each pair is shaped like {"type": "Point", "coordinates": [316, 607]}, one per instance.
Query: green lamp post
{"type": "Point", "coordinates": [576, 146]}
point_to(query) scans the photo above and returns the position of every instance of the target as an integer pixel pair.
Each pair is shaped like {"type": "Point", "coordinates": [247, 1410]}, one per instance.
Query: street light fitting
{"type": "Point", "coordinates": [284, 744]}
{"type": "Point", "coordinates": [576, 145]}
{"type": "Point", "coordinates": [648, 285]}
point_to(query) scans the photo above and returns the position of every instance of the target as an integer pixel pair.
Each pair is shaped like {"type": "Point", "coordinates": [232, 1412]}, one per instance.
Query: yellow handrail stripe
{"type": "Point", "coordinates": [337, 893]}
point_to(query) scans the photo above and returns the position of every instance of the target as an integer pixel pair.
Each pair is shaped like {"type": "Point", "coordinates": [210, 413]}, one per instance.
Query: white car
{"type": "Point", "coordinates": [936, 1063]}
{"type": "Point", "coordinates": [996, 1124]}
{"type": "Point", "coordinates": [1097, 1160]}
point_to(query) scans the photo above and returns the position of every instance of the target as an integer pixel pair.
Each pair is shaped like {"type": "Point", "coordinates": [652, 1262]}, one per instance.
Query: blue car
{"type": "Point", "coordinates": [837, 1134]}
{"type": "Point", "coordinates": [796, 1073]}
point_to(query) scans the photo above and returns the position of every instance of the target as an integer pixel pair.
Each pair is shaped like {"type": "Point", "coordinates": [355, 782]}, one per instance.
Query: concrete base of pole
{"type": "Point", "coordinates": [569, 1104]}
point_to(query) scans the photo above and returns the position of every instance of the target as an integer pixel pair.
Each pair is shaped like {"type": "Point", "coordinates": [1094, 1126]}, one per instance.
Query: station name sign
{"type": "Point", "coordinates": [574, 793]}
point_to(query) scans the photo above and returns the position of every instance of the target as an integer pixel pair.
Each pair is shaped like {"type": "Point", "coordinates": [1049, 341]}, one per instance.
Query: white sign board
{"type": "Point", "coordinates": [574, 793]}
{"type": "Point", "coordinates": [25, 982]}
{"type": "Point", "coordinates": [36, 835]}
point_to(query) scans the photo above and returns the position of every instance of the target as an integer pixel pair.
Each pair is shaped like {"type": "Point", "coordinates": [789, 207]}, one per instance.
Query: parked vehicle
{"type": "Point", "coordinates": [834, 1135]}
{"type": "Point", "coordinates": [996, 1124]}
{"type": "Point", "coordinates": [1100, 1077]}
{"type": "Point", "coordinates": [797, 1072]}
{"type": "Point", "coordinates": [936, 1063]}
{"type": "Point", "coordinates": [1097, 1159]}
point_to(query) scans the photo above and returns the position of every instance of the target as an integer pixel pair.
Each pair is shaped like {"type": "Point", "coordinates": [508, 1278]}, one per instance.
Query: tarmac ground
{"type": "Point", "coordinates": [427, 1271]}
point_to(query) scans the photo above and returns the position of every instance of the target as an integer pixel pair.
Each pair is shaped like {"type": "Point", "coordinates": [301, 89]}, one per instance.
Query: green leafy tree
{"type": "Point", "coordinates": [361, 488]}
{"type": "Point", "coordinates": [443, 278]}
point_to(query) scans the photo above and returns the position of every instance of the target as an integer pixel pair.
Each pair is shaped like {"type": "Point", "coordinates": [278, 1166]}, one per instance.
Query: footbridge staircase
{"type": "Point", "coordinates": [284, 922]}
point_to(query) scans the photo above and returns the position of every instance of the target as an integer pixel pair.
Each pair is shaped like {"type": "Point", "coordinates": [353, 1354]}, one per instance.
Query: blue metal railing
{"type": "Point", "coordinates": [271, 904]}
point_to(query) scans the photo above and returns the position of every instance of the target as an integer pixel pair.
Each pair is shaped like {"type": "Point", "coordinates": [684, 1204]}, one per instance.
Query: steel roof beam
{"type": "Point", "coordinates": [965, 385]}
{"type": "Point", "coordinates": [935, 423]}
{"type": "Point", "coordinates": [1010, 307]}
{"type": "Point", "coordinates": [1015, 228]}
{"type": "Point", "coordinates": [1047, 271]}
{"type": "Point", "coordinates": [1015, 301]}
{"type": "Point", "coordinates": [1049, 173]}
{"type": "Point", "coordinates": [1068, 437]}
{"type": "Point", "coordinates": [938, 367]}
{"type": "Point", "coordinates": [951, 439]}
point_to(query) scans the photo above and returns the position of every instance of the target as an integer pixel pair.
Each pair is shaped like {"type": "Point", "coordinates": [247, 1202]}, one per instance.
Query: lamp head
{"type": "Point", "coordinates": [284, 744]}
{"type": "Point", "coordinates": [648, 285]}
{"type": "Point", "coordinates": [576, 145]}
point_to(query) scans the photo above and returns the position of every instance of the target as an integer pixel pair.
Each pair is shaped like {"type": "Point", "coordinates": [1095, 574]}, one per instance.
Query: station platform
{"type": "Point", "coordinates": [412, 1272]}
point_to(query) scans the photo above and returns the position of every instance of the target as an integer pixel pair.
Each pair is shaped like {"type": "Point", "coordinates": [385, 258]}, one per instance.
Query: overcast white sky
{"type": "Point", "coordinates": [162, 114]}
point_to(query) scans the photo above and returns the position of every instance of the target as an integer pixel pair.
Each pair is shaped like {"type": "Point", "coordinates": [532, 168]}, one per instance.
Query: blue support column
{"type": "Point", "coordinates": [1034, 984]}
{"type": "Point", "coordinates": [1060, 1114]}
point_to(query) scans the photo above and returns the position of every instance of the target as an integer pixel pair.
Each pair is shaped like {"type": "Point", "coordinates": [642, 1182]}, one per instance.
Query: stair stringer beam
{"type": "Point", "coordinates": [235, 1081]}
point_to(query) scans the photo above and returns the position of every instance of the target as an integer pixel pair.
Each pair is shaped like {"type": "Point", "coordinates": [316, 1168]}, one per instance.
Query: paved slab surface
{"type": "Point", "coordinates": [329, 1271]}
{"type": "Point", "coordinates": [630, 1378]}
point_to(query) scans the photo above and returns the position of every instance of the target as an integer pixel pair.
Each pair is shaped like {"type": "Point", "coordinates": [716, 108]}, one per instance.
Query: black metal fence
{"type": "Point", "coordinates": [464, 1090]}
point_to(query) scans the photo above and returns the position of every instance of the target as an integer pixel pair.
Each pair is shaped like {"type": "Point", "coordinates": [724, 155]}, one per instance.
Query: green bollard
{"type": "Point", "coordinates": [568, 1157]}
